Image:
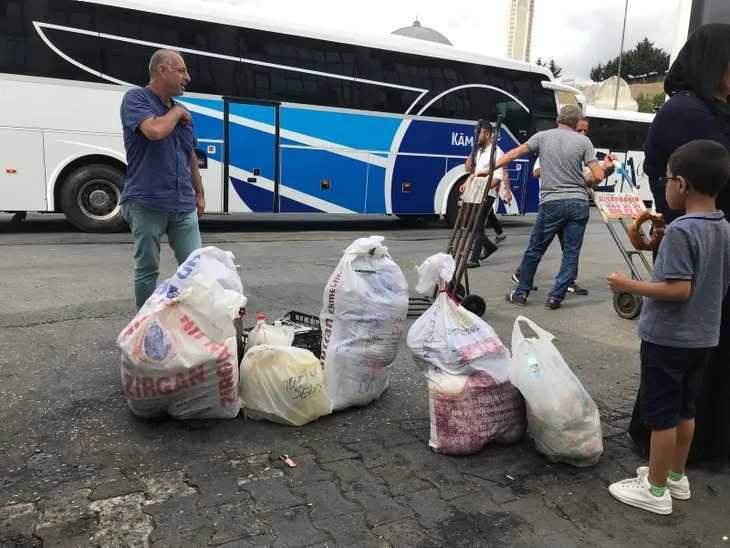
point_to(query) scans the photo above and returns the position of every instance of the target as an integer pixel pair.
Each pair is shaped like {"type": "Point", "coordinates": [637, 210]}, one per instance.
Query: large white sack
{"type": "Point", "coordinates": [363, 317]}
{"type": "Point", "coordinates": [283, 384]}
{"type": "Point", "coordinates": [471, 400]}
{"type": "Point", "coordinates": [179, 355]}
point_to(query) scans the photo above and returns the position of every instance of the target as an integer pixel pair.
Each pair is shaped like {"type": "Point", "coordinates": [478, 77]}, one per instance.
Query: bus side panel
{"type": "Point", "coordinates": [22, 170]}
{"type": "Point", "coordinates": [208, 123]}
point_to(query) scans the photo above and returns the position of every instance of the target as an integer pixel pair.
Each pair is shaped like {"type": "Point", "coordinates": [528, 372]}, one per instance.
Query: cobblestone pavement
{"type": "Point", "coordinates": [77, 469]}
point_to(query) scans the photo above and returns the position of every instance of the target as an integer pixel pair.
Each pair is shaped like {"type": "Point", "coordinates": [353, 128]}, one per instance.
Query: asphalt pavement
{"type": "Point", "coordinates": [78, 469]}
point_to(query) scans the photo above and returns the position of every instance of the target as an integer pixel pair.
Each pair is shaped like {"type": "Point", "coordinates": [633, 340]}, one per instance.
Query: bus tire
{"type": "Point", "coordinates": [90, 198]}
{"type": "Point", "coordinates": [452, 204]}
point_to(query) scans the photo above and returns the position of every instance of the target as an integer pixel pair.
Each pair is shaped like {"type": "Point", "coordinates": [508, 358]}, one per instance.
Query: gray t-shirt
{"type": "Point", "coordinates": [695, 247]}
{"type": "Point", "coordinates": [563, 153]}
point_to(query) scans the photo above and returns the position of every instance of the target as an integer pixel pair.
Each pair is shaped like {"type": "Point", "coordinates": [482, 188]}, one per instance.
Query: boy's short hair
{"type": "Point", "coordinates": [704, 164]}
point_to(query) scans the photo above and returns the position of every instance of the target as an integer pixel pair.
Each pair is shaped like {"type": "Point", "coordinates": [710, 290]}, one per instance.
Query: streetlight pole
{"type": "Point", "coordinates": [620, 56]}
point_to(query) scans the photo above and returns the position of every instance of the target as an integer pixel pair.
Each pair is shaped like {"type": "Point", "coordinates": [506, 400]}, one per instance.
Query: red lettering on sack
{"type": "Point", "coordinates": [180, 383]}
{"type": "Point", "coordinates": [226, 381]}
{"type": "Point", "coordinates": [197, 373]}
{"type": "Point", "coordinates": [187, 323]}
{"type": "Point", "coordinates": [148, 387]}
{"type": "Point", "coordinates": [133, 327]}
{"type": "Point", "coordinates": [128, 381]}
{"type": "Point", "coordinates": [163, 386]}
{"type": "Point", "coordinates": [224, 355]}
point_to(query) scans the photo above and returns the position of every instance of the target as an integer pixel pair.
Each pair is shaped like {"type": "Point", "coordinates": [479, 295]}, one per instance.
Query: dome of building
{"type": "Point", "coordinates": [422, 33]}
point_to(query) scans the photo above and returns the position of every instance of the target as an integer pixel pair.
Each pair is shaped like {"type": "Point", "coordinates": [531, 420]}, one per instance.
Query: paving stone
{"type": "Point", "coordinates": [273, 494]}
{"type": "Point", "coordinates": [175, 517]}
{"type": "Point", "coordinates": [306, 471]}
{"type": "Point", "coordinates": [216, 483]}
{"type": "Point", "coordinates": [197, 537]}
{"type": "Point", "coordinates": [448, 481]}
{"type": "Point", "coordinates": [419, 456]}
{"type": "Point", "coordinates": [253, 542]}
{"type": "Point", "coordinates": [400, 479]}
{"type": "Point", "coordinates": [325, 500]}
{"type": "Point", "coordinates": [543, 516]}
{"type": "Point", "coordinates": [18, 520]}
{"type": "Point", "coordinates": [234, 521]}
{"type": "Point", "coordinates": [460, 531]}
{"type": "Point", "coordinates": [476, 503]}
{"type": "Point", "coordinates": [350, 531]}
{"type": "Point", "coordinates": [293, 527]}
{"type": "Point", "coordinates": [503, 528]}
{"type": "Point", "coordinates": [406, 533]}
{"type": "Point", "coordinates": [121, 521]}
{"type": "Point", "coordinates": [429, 506]}
{"type": "Point", "coordinates": [332, 451]}
{"type": "Point", "coordinates": [163, 486]}
{"type": "Point", "coordinates": [371, 453]}
{"type": "Point", "coordinates": [115, 487]}
{"type": "Point", "coordinates": [379, 507]}
{"type": "Point", "coordinates": [352, 475]}
{"type": "Point", "coordinates": [67, 516]}
{"type": "Point", "coordinates": [13, 539]}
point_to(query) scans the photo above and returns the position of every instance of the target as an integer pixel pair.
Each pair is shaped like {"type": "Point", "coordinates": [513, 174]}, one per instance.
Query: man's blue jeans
{"type": "Point", "coordinates": [148, 226]}
{"type": "Point", "coordinates": [572, 217]}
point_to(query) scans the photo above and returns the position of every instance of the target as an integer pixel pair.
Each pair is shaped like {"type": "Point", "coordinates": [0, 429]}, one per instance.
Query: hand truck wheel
{"type": "Point", "coordinates": [475, 304]}
{"type": "Point", "coordinates": [627, 305]}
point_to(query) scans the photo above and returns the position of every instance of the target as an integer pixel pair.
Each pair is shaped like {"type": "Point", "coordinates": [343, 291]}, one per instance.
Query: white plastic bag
{"type": "Point", "coordinates": [447, 335]}
{"type": "Point", "coordinates": [179, 356]}
{"type": "Point", "coordinates": [363, 316]}
{"type": "Point", "coordinates": [213, 262]}
{"type": "Point", "coordinates": [273, 335]}
{"type": "Point", "coordinates": [283, 384]}
{"type": "Point", "coordinates": [562, 417]}
{"type": "Point", "coordinates": [465, 363]}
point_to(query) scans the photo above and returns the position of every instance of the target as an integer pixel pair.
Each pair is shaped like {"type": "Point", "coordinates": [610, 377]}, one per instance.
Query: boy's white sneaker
{"type": "Point", "coordinates": [636, 492]}
{"type": "Point", "coordinates": [677, 489]}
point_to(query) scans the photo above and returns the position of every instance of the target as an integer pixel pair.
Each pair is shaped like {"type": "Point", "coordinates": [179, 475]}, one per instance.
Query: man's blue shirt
{"type": "Point", "coordinates": [158, 172]}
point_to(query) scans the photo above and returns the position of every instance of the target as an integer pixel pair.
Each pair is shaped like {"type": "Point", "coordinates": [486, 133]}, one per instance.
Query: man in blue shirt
{"type": "Point", "coordinates": [163, 192]}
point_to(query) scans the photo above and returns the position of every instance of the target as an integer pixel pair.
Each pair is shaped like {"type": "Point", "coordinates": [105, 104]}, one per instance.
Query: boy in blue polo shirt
{"type": "Point", "coordinates": [680, 321]}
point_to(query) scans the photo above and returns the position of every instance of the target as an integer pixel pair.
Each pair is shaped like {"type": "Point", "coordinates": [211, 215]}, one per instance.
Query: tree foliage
{"type": "Point", "coordinates": [647, 103]}
{"type": "Point", "coordinates": [645, 62]}
{"type": "Point", "coordinates": [551, 65]}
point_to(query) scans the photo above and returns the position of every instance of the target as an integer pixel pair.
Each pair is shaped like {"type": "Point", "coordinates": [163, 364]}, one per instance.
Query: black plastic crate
{"type": "Point", "coordinates": [307, 332]}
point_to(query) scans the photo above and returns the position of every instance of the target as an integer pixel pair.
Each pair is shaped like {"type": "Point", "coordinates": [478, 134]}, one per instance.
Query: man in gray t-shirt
{"type": "Point", "coordinates": [563, 201]}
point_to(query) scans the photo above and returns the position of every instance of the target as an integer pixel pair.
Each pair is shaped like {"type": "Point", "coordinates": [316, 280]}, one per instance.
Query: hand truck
{"type": "Point", "coordinates": [622, 207]}
{"type": "Point", "coordinates": [475, 200]}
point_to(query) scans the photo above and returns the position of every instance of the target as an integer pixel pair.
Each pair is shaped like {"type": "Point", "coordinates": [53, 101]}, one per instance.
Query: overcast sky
{"type": "Point", "coordinates": [577, 34]}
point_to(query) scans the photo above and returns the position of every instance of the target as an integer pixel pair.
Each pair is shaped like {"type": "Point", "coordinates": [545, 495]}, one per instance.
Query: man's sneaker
{"type": "Point", "coordinates": [500, 238]}
{"type": "Point", "coordinates": [516, 298]}
{"type": "Point", "coordinates": [552, 304]}
{"type": "Point", "coordinates": [578, 290]}
{"type": "Point", "coordinates": [677, 489]}
{"type": "Point", "coordinates": [637, 492]}
{"type": "Point", "coordinates": [515, 280]}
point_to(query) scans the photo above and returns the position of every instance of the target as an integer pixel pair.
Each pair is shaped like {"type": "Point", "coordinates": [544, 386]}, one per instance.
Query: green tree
{"type": "Point", "coordinates": [644, 61]}
{"type": "Point", "coordinates": [551, 65]}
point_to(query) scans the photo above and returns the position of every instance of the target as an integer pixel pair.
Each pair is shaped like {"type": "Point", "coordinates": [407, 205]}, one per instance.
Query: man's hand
{"type": "Point", "coordinates": [182, 114]}
{"type": "Point", "coordinates": [608, 161]}
{"type": "Point", "coordinates": [619, 282]}
{"type": "Point", "coordinates": [507, 196]}
{"type": "Point", "coordinates": [200, 204]}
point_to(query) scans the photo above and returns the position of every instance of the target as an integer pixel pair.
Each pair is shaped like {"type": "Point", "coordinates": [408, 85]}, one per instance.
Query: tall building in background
{"type": "Point", "coordinates": [520, 29]}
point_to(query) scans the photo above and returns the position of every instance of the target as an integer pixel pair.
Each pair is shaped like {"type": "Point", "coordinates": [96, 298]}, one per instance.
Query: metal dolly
{"type": "Point", "coordinates": [619, 207]}
{"type": "Point", "coordinates": [474, 201]}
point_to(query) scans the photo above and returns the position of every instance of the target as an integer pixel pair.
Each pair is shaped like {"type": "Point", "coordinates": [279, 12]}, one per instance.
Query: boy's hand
{"type": "Point", "coordinates": [619, 282]}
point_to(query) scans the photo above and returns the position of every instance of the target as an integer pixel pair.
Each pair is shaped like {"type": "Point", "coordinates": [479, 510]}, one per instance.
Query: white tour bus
{"type": "Point", "coordinates": [621, 133]}
{"type": "Point", "coordinates": [288, 119]}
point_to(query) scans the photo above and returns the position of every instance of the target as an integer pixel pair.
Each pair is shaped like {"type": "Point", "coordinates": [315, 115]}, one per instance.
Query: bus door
{"type": "Point", "coordinates": [251, 155]}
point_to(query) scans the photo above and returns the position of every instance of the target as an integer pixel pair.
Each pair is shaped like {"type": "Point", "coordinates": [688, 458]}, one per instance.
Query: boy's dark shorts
{"type": "Point", "coordinates": [671, 379]}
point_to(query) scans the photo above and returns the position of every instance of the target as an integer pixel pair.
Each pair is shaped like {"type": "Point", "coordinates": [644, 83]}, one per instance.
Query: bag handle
{"type": "Point", "coordinates": [539, 331]}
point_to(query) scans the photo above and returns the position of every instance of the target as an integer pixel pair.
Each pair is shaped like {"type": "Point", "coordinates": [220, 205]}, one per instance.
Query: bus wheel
{"type": "Point", "coordinates": [90, 198]}
{"type": "Point", "coordinates": [452, 205]}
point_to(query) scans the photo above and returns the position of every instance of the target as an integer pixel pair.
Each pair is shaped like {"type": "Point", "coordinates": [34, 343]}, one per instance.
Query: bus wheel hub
{"type": "Point", "coordinates": [99, 199]}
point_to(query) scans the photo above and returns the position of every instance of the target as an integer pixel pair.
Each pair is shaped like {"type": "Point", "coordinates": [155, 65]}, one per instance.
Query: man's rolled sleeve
{"type": "Point", "coordinates": [135, 109]}
{"type": "Point", "coordinates": [678, 257]}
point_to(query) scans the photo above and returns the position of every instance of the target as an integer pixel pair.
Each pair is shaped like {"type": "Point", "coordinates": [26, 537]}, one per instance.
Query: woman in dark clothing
{"type": "Point", "coordinates": [698, 84]}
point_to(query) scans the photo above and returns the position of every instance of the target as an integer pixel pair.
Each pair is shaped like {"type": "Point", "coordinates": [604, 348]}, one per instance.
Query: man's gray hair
{"type": "Point", "coordinates": [161, 57]}
{"type": "Point", "coordinates": [570, 115]}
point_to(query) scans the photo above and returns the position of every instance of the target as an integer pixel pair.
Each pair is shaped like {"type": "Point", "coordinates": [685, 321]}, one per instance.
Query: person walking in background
{"type": "Point", "coordinates": [483, 247]}
{"type": "Point", "coordinates": [680, 321]}
{"type": "Point", "coordinates": [608, 170]}
{"type": "Point", "coordinates": [563, 201]}
{"type": "Point", "coordinates": [698, 85]}
{"type": "Point", "coordinates": [163, 191]}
